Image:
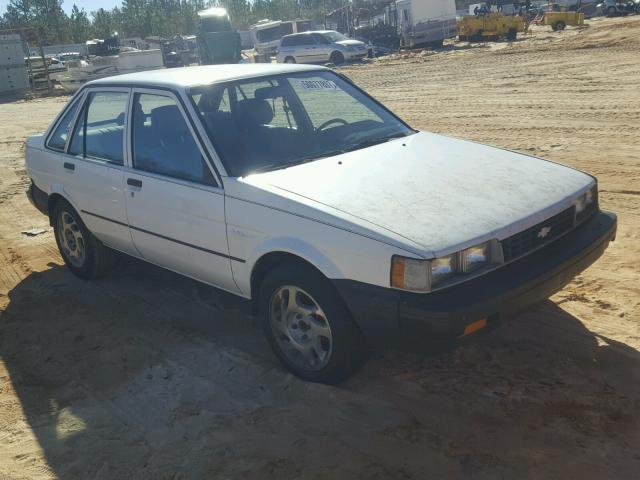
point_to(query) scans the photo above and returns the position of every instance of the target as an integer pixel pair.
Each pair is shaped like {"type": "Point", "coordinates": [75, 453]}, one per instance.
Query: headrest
{"type": "Point", "coordinates": [269, 92]}
{"type": "Point", "coordinates": [168, 121]}
{"type": "Point", "coordinates": [255, 111]}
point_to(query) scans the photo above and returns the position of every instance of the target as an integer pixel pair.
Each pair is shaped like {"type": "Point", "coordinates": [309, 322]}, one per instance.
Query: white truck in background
{"type": "Point", "coordinates": [426, 22]}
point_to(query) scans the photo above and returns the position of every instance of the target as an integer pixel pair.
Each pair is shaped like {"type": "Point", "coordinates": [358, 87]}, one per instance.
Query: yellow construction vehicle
{"type": "Point", "coordinates": [492, 26]}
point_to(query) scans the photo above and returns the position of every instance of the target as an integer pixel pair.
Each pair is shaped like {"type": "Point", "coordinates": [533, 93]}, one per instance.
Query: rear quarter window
{"type": "Point", "coordinates": [58, 138]}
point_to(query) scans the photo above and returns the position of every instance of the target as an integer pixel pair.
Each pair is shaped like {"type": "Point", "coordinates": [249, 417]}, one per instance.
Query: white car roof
{"type": "Point", "coordinates": [180, 78]}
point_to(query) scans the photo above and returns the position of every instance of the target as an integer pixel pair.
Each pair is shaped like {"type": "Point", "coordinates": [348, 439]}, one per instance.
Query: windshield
{"type": "Point", "coordinates": [269, 123]}
{"type": "Point", "coordinates": [334, 36]}
{"type": "Point", "coordinates": [269, 34]}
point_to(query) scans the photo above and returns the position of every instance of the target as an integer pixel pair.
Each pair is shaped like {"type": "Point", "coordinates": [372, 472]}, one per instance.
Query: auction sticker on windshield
{"type": "Point", "coordinates": [317, 84]}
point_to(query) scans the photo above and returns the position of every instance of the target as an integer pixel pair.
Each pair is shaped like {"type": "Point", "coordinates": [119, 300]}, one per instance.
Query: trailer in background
{"type": "Point", "coordinates": [266, 34]}
{"type": "Point", "coordinates": [426, 22]}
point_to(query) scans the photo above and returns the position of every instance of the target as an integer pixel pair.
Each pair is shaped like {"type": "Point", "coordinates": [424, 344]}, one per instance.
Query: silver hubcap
{"type": "Point", "coordinates": [71, 239]}
{"type": "Point", "coordinates": [300, 328]}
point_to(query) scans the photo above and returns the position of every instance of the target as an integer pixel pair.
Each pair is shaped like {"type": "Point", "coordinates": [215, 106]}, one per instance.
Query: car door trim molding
{"type": "Point", "coordinates": [164, 237]}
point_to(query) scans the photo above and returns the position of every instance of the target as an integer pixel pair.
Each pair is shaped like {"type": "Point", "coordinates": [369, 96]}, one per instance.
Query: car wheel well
{"type": "Point", "coordinates": [51, 204]}
{"type": "Point", "coordinates": [268, 262]}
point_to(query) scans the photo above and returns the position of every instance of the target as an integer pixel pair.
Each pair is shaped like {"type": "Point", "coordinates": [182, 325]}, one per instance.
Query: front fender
{"type": "Point", "coordinates": [300, 248]}
{"type": "Point", "coordinates": [285, 244]}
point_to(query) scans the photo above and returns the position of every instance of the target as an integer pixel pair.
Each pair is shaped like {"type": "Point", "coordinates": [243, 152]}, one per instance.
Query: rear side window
{"type": "Point", "coordinates": [100, 130]}
{"type": "Point", "coordinates": [305, 39]}
{"type": "Point", "coordinates": [163, 143]}
{"type": "Point", "coordinates": [289, 41]}
{"type": "Point", "coordinates": [58, 138]}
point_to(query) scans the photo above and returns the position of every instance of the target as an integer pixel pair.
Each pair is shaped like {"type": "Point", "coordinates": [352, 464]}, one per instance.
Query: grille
{"type": "Point", "coordinates": [530, 239]}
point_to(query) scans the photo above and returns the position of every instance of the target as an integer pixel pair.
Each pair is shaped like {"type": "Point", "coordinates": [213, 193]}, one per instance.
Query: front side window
{"type": "Point", "coordinates": [162, 142]}
{"type": "Point", "coordinates": [334, 36]}
{"type": "Point", "coordinates": [320, 39]}
{"type": "Point", "coordinates": [287, 119]}
{"type": "Point", "coordinates": [58, 138]}
{"type": "Point", "coordinates": [101, 126]}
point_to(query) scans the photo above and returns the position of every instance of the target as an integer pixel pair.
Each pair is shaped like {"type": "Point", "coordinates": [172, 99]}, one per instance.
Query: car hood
{"type": "Point", "coordinates": [350, 43]}
{"type": "Point", "coordinates": [434, 193]}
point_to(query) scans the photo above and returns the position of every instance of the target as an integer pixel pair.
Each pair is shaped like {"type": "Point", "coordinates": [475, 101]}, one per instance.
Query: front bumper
{"type": "Point", "coordinates": [383, 313]}
{"type": "Point", "coordinates": [357, 55]}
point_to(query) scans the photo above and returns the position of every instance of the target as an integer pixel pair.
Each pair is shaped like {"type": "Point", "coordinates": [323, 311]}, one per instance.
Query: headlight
{"type": "Point", "coordinates": [586, 203]}
{"type": "Point", "coordinates": [425, 275]}
{"type": "Point", "coordinates": [475, 258]}
{"type": "Point", "coordinates": [443, 268]}
{"type": "Point", "coordinates": [409, 274]}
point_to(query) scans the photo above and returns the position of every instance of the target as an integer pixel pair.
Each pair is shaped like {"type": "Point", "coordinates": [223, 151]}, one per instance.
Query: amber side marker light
{"type": "Point", "coordinates": [474, 327]}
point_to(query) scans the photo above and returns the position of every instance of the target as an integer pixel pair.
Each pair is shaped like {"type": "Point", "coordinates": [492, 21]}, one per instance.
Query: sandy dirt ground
{"type": "Point", "coordinates": [146, 374]}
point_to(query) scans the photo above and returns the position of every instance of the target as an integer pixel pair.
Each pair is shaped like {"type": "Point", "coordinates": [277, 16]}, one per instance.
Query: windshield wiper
{"type": "Point", "coordinates": [297, 161]}
{"type": "Point", "coordinates": [373, 141]}
{"type": "Point", "coordinates": [318, 155]}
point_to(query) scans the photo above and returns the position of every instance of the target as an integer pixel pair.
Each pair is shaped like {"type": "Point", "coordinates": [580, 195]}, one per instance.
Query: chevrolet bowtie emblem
{"type": "Point", "coordinates": [544, 231]}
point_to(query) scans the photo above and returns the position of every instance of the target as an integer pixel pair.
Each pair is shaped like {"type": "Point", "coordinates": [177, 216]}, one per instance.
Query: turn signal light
{"type": "Point", "coordinates": [475, 326]}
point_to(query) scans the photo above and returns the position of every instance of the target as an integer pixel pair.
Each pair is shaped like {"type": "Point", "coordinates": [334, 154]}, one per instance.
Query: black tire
{"type": "Point", "coordinates": [560, 25]}
{"type": "Point", "coordinates": [512, 34]}
{"type": "Point", "coordinates": [347, 344]}
{"type": "Point", "coordinates": [289, 60]}
{"type": "Point", "coordinates": [611, 12]}
{"type": "Point", "coordinates": [336, 58]}
{"type": "Point", "coordinates": [97, 259]}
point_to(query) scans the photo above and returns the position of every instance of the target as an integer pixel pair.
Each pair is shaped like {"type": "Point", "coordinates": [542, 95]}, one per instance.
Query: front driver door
{"type": "Point", "coordinates": [175, 205]}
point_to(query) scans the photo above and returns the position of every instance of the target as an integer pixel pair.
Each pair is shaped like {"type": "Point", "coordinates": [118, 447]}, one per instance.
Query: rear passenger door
{"type": "Point", "coordinates": [92, 165]}
{"type": "Point", "coordinates": [306, 52]}
{"type": "Point", "coordinates": [175, 203]}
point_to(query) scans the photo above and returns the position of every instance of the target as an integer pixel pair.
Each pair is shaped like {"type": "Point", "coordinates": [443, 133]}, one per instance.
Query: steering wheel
{"type": "Point", "coordinates": [329, 122]}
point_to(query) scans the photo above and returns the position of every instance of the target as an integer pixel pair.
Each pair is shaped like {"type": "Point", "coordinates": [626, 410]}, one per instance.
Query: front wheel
{"type": "Point", "coordinates": [336, 58]}
{"type": "Point", "coordinates": [308, 326]}
{"type": "Point", "coordinates": [83, 253]}
{"type": "Point", "coordinates": [289, 60]}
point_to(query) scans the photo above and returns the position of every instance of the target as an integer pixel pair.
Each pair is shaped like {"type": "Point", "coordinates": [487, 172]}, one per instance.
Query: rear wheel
{"type": "Point", "coordinates": [289, 60]}
{"type": "Point", "coordinates": [83, 253]}
{"type": "Point", "coordinates": [307, 324]}
{"type": "Point", "coordinates": [611, 12]}
{"type": "Point", "coordinates": [512, 34]}
{"type": "Point", "coordinates": [560, 25]}
{"type": "Point", "coordinates": [336, 58]}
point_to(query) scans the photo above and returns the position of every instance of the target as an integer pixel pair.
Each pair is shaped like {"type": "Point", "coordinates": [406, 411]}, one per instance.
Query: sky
{"type": "Point", "coordinates": [88, 5]}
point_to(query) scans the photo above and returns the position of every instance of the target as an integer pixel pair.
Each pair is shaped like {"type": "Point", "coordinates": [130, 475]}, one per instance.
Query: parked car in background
{"type": "Point", "coordinates": [613, 8]}
{"type": "Point", "coordinates": [320, 46]}
{"type": "Point", "coordinates": [290, 187]}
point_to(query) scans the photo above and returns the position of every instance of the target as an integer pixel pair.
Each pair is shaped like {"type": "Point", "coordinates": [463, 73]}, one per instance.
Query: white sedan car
{"type": "Point", "coordinates": [289, 186]}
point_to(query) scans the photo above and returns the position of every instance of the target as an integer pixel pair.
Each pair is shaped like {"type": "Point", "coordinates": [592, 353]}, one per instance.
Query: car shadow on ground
{"type": "Point", "coordinates": [147, 374]}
